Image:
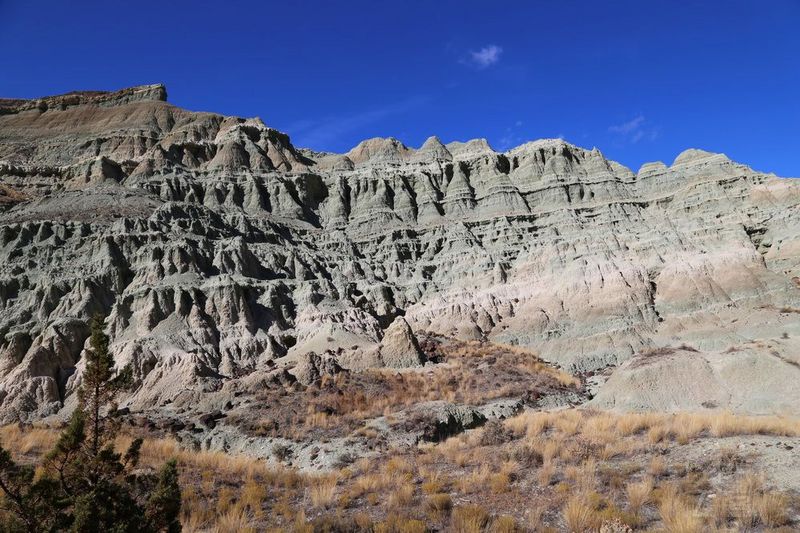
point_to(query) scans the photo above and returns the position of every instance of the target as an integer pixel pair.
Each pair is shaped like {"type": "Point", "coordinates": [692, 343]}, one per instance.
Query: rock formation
{"type": "Point", "coordinates": [217, 250]}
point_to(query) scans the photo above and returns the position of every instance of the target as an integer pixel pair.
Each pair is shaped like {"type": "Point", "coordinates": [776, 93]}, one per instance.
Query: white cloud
{"type": "Point", "coordinates": [511, 137]}
{"type": "Point", "coordinates": [486, 56]}
{"type": "Point", "coordinates": [628, 127]}
{"type": "Point", "coordinates": [635, 130]}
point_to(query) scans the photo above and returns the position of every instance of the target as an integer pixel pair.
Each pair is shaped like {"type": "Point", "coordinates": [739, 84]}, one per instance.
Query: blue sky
{"type": "Point", "coordinates": [641, 80]}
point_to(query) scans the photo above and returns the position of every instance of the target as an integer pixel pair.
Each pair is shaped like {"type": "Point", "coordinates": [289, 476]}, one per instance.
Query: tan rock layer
{"type": "Point", "coordinates": [218, 250]}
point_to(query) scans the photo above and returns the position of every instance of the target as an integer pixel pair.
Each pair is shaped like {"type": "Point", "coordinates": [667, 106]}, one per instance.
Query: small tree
{"type": "Point", "coordinates": [84, 484]}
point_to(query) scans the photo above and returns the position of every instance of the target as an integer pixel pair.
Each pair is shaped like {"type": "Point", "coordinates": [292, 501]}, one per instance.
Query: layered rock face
{"type": "Point", "coordinates": [217, 249]}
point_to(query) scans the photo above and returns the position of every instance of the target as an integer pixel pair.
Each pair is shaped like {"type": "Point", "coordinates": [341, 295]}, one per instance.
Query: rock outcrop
{"type": "Point", "coordinates": [216, 249]}
{"type": "Point", "coordinates": [399, 347]}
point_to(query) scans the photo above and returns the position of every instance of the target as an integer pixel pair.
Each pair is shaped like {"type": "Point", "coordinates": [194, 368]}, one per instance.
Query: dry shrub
{"type": "Point", "coordinates": [754, 504]}
{"type": "Point", "coordinates": [530, 423]}
{"type": "Point", "coordinates": [687, 426]}
{"type": "Point", "coordinates": [363, 521]}
{"type": "Point", "coordinates": [366, 484]}
{"type": "Point", "coordinates": [322, 491]}
{"type": "Point", "coordinates": [600, 428]}
{"type": "Point", "coordinates": [727, 424]}
{"type": "Point", "coordinates": [196, 514]}
{"type": "Point", "coordinates": [252, 496]}
{"type": "Point", "coordinates": [720, 510]}
{"type": "Point", "coordinates": [551, 449]}
{"type": "Point", "coordinates": [578, 515]}
{"type": "Point", "coordinates": [300, 524]}
{"type": "Point", "coordinates": [439, 505]}
{"type": "Point", "coordinates": [398, 524]}
{"type": "Point", "coordinates": [657, 434]}
{"type": "Point", "coordinates": [748, 490]}
{"type": "Point", "coordinates": [504, 524]}
{"type": "Point", "coordinates": [773, 509]}
{"type": "Point", "coordinates": [476, 480]}
{"type": "Point", "coordinates": [533, 519]}
{"type": "Point", "coordinates": [586, 476]}
{"type": "Point", "coordinates": [225, 499]}
{"type": "Point", "coordinates": [639, 495]}
{"type": "Point", "coordinates": [657, 467]}
{"type": "Point", "coordinates": [469, 519]}
{"type": "Point", "coordinates": [433, 486]}
{"type": "Point", "coordinates": [398, 466]}
{"type": "Point", "coordinates": [729, 460]}
{"type": "Point", "coordinates": [633, 423]}
{"type": "Point", "coordinates": [234, 519]}
{"type": "Point", "coordinates": [500, 481]}
{"type": "Point", "coordinates": [678, 514]}
{"type": "Point", "coordinates": [527, 456]}
{"type": "Point", "coordinates": [546, 473]}
{"type": "Point", "coordinates": [402, 496]}
{"type": "Point", "coordinates": [569, 424]}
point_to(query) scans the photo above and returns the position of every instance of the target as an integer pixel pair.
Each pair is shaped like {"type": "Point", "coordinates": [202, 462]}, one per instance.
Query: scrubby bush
{"type": "Point", "coordinates": [83, 484]}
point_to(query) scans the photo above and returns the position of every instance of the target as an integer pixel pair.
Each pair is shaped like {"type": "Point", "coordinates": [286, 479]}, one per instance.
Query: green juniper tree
{"type": "Point", "coordinates": [83, 484]}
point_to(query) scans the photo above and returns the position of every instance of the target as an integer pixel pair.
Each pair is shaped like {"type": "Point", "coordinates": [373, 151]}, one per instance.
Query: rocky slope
{"type": "Point", "coordinates": [219, 251]}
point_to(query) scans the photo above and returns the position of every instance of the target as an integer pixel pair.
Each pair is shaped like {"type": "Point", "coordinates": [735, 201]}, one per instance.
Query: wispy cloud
{"type": "Point", "coordinates": [328, 133]}
{"type": "Point", "coordinates": [635, 130]}
{"type": "Point", "coordinates": [485, 57]}
{"type": "Point", "coordinates": [511, 137]}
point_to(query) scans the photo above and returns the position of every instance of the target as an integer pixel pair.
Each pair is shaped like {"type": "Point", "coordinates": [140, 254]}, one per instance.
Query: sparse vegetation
{"type": "Point", "coordinates": [83, 483]}
{"type": "Point", "coordinates": [573, 469]}
{"type": "Point", "coordinates": [339, 404]}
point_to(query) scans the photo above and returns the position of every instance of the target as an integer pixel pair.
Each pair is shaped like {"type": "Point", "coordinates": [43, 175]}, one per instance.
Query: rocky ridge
{"type": "Point", "coordinates": [219, 252]}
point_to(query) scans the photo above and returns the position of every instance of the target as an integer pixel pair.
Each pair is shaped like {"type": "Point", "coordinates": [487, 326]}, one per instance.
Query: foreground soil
{"type": "Point", "coordinates": [560, 469]}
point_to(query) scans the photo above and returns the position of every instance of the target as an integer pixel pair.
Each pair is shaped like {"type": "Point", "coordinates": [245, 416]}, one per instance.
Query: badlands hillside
{"type": "Point", "coordinates": [414, 323]}
{"type": "Point", "coordinates": [220, 252]}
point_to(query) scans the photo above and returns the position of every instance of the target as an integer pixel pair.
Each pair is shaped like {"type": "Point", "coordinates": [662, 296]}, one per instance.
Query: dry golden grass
{"type": "Point", "coordinates": [31, 440]}
{"type": "Point", "coordinates": [550, 449]}
{"type": "Point", "coordinates": [546, 473]}
{"type": "Point", "coordinates": [773, 509]}
{"type": "Point", "coordinates": [253, 495]}
{"type": "Point", "coordinates": [438, 506]}
{"type": "Point", "coordinates": [234, 519]}
{"type": "Point", "coordinates": [657, 467]}
{"type": "Point", "coordinates": [367, 483]}
{"type": "Point", "coordinates": [401, 496]}
{"type": "Point", "coordinates": [578, 516]}
{"type": "Point", "coordinates": [434, 481]}
{"type": "Point", "coordinates": [720, 511]}
{"type": "Point", "coordinates": [342, 402]}
{"type": "Point", "coordinates": [747, 491]}
{"type": "Point", "coordinates": [322, 491]}
{"type": "Point", "coordinates": [639, 495]}
{"type": "Point", "coordinates": [398, 467]}
{"type": "Point", "coordinates": [504, 524]}
{"type": "Point", "coordinates": [399, 524]}
{"type": "Point", "coordinates": [606, 428]}
{"type": "Point", "coordinates": [753, 504]}
{"type": "Point", "coordinates": [196, 514]}
{"type": "Point", "coordinates": [225, 500]}
{"type": "Point", "coordinates": [678, 514]}
{"type": "Point", "coordinates": [469, 519]}
{"type": "Point", "coordinates": [574, 468]}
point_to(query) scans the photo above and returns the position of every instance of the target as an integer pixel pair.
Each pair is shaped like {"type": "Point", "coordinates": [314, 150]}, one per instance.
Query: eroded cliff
{"type": "Point", "coordinates": [219, 251]}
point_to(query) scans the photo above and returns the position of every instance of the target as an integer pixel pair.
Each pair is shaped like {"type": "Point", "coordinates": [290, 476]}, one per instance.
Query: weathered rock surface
{"type": "Point", "coordinates": [217, 249]}
{"type": "Point", "coordinates": [399, 347]}
{"type": "Point", "coordinates": [313, 367]}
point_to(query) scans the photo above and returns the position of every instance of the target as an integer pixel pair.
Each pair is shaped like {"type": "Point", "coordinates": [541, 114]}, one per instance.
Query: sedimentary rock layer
{"type": "Point", "coordinates": [216, 249]}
